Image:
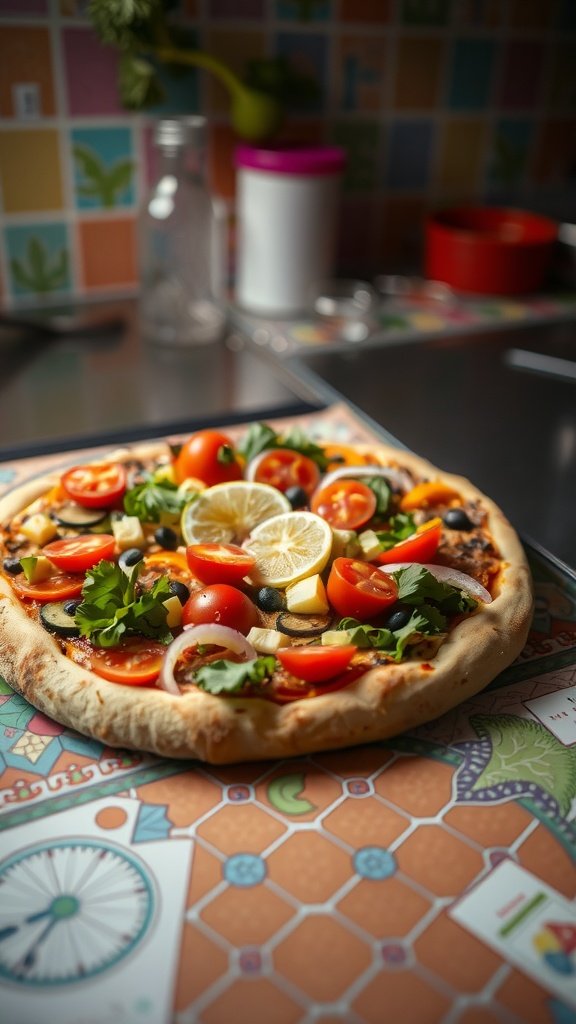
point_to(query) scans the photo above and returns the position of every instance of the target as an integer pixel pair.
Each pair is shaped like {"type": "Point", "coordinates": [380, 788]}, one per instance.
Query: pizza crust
{"type": "Point", "coordinates": [387, 700]}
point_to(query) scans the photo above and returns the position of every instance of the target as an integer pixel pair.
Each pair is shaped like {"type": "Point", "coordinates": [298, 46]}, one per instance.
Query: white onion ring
{"type": "Point", "coordinates": [207, 633]}
{"type": "Point", "coordinates": [446, 575]}
{"type": "Point", "coordinates": [397, 477]}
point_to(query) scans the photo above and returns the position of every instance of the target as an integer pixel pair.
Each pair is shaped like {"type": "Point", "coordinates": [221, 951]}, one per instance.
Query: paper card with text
{"type": "Point", "coordinates": [527, 922]}
{"type": "Point", "coordinates": [557, 711]}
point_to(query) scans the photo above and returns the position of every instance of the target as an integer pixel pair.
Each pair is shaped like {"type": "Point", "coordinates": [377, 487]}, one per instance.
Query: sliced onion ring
{"type": "Point", "coordinates": [397, 477]}
{"type": "Point", "coordinates": [446, 575]}
{"type": "Point", "coordinates": [191, 636]}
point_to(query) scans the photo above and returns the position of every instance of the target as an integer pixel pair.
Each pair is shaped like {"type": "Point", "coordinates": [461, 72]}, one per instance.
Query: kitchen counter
{"type": "Point", "coordinates": [470, 402]}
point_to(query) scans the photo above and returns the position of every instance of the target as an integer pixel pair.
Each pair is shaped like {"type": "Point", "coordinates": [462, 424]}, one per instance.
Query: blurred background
{"type": "Point", "coordinates": [435, 101]}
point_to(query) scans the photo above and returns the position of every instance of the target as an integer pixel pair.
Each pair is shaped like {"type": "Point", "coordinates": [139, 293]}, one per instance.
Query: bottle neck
{"type": "Point", "coordinates": [181, 160]}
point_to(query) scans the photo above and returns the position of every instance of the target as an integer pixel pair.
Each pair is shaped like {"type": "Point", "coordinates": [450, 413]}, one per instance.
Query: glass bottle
{"type": "Point", "coordinates": [180, 242]}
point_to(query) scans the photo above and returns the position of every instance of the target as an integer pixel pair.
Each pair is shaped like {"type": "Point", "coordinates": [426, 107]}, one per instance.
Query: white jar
{"type": "Point", "coordinates": [287, 204]}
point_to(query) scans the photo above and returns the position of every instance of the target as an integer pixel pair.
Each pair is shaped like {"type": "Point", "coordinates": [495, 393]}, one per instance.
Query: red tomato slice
{"type": "Point", "coordinates": [209, 456]}
{"type": "Point", "coordinates": [420, 547]}
{"type": "Point", "coordinates": [55, 588]}
{"type": "Point", "coordinates": [97, 486]}
{"type": "Point", "coordinates": [283, 468]}
{"type": "Point", "coordinates": [315, 664]}
{"type": "Point", "coordinates": [76, 554]}
{"type": "Point", "coordinates": [219, 563]}
{"type": "Point", "coordinates": [135, 661]}
{"type": "Point", "coordinates": [359, 589]}
{"type": "Point", "coordinates": [345, 504]}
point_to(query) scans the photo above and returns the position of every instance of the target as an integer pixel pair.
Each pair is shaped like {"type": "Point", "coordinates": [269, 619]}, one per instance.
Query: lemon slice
{"type": "Point", "coordinates": [289, 547]}
{"type": "Point", "coordinates": [227, 513]}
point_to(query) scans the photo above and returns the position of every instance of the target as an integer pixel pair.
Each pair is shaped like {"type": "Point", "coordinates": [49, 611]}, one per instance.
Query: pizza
{"type": "Point", "coordinates": [260, 596]}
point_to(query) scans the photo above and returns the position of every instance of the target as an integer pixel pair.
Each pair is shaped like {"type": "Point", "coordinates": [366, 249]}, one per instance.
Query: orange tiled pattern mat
{"type": "Point", "coordinates": [320, 887]}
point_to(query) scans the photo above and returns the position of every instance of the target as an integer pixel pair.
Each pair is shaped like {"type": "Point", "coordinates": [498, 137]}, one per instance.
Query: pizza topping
{"type": "Point", "coordinates": [12, 566]}
{"type": "Point", "coordinates": [420, 546]}
{"type": "Point", "coordinates": [219, 563]}
{"type": "Point", "coordinates": [269, 599]}
{"type": "Point", "coordinates": [222, 604]}
{"type": "Point", "coordinates": [399, 479]}
{"type": "Point", "coordinates": [208, 455]}
{"type": "Point", "coordinates": [428, 494]}
{"type": "Point", "coordinates": [443, 574]}
{"type": "Point", "coordinates": [55, 588]}
{"type": "Point", "coordinates": [76, 554]}
{"type": "Point", "coordinates": [134, 662]}
{"type": "Point", "coordinates": [99, 485]}
{"type": "Point", "coordinates": [457, 519]}
{"type": "Point", "coordinates": [113, 606]}
{"type": "Point", "coordinates": [345, 504]}
{"type": "Point", "coordinates": [285, 469]}
{"type": "Point", "coordinates": [289, 547]}
{"type": "Point", "coordinates": [58, 617]}
{"type": "Point", "coordinates": [316, 664]}
{"type": "Point", "coordinates": [227, 513]}
{"type": "Point", "coordinates": [214, 634]}
{"type": "Point", "coordinates": [300, 626]}
{"type": "Point", "coordinates": [359, 588]}
{"type": "Point", "coordinates": [153, 500]}
{"type": "Point", "coordinates": [72, 514]}
{"type": "Point", "coordinates": [260, 437]}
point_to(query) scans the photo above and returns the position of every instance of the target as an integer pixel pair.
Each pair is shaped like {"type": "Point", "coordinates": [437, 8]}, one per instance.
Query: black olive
{"type": "Point", "coordinates": [269, 599]}
{"type": "Point", "coordinates": [166, 537]}
{"type": "Point", "coordinates": [297, 497]}
{"type": "Point", "coordinates": [180, 590]}
{"type": "Point", "coordinates": [130, 557]}
{"type": "Point", "coordinates": [70, 607]}
{"type": "Point", "coordinates": [12, 565]}
{"type": "Point", "coordinates": [457, 519]}
{"type": "Point", "coordinates": [398, 619]}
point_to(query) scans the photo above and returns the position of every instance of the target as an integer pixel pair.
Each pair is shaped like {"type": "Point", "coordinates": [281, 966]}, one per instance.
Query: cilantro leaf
{"type": "Point", "coordinates": [417, 586]}
{"type": "Point", "coordinates": [399, 527]}
{"type": "Point", "coordinates": [224, 676]}
{"type": "Point", "coordinates": [153, 499]}
{"type": "Point", "coordinates": [383, 493]}
{"type": "Point", "coordinates": [111, 609]}
{"type": "Point", "coordinates": [260, 437]}
{"type": "Point", "coordinates": [392, 642]}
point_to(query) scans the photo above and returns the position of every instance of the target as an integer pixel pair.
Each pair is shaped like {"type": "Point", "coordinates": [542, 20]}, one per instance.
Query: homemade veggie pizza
{"type": "Point", "coordinates": [258, 597]}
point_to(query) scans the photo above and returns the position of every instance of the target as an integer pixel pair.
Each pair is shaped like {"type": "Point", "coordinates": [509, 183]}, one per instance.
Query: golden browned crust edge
{"type": "Point", "coordinates": [387, 700]}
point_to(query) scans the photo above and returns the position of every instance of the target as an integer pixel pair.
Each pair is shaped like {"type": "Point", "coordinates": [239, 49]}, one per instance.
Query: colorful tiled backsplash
{"type": "Point", "coordinates": [435, 100]}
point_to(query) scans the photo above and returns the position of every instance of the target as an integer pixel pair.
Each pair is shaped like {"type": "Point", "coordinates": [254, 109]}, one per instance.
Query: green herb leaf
{"type": "Point", "coordinates": [28, 563]}
{"type": "Point", "coordinates": [111, 608]}
{"type": "Point", "coordinates": [417, 586]}
{"type": "Point", "coordinates": [153, 500]}
{"type": "Point", "coordinates": [231, 677]}
{"type": "Point", "coordinates": [225, 455]}
{"type": "Point", "coordinates": [398, 528]}
{"type": "Point", "coordinates": [382, 490]}
{"type": "Point", "coordinates": [260, 437]}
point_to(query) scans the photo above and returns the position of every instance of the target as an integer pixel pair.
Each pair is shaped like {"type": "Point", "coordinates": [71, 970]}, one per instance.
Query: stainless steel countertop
{"type": "Point", "coordinates": [497, 406]}
{"type": "Point", "coordinates": [54, 389]}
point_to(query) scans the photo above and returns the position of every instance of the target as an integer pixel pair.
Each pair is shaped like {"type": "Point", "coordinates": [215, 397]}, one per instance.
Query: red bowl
{"type": "Point", "coordinates": [489, 250]}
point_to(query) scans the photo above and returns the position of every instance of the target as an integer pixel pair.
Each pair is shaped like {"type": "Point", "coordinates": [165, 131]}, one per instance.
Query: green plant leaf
{"type": "Point", "coordinates": [525, 751]}
{"type": "Point", "coordinates": [20, 276]}
{"type": "Point", "coordinates": [36, 253]}
{"type": "Point", "coordinates": [120, 175]}
{"type": "Point", "coordinates": [89, 162]}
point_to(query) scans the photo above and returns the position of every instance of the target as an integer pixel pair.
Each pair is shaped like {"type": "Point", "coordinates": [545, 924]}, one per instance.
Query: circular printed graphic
{"type": "Point", "coordinates": [70, 910]}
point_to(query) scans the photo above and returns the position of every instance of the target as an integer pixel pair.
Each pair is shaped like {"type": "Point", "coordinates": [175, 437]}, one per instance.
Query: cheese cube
{"type": "Point", "coordinates": [174, 608]}
{"type": "Point", "coordinates": [344, 544]}
{"type": "Point", "coordinates": [37, 568]}
{"type": "Point", "coordinates": [335, 638]}
{"type": "Point", "coordinates": [307, 597]}
{"type": "Point", "coordinates": [128, 533]}
{"type": "Point", "coordinates": [267, 641]}
{"type": "Point", "coordinates": [39, 528]}
{"type": "Point", "coordinates": [370, 546]}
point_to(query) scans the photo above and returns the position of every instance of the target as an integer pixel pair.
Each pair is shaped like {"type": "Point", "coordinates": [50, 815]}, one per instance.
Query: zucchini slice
{"type": "Point", "coordinates": [57, 619]}
{"type": "Point", "coordinates": [76, 515]}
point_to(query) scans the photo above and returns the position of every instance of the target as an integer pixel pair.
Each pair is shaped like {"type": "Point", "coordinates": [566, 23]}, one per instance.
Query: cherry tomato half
{"type": "Point", "coordinates": [209, 456]}
{"type": "Point", "coordinates": [359, 589]}
{"type": "Point", "coordinates": [315, 663]}
{"type": "Point", "coordinates": [55, 588]}
{"type": "Point", "coordinates": [345, 504]}
{"type": "Point", "coordinates": [283, 468]}
{"type": "Point", "coordinates": [223, 604]}
{"type": "Point", "coordinates": [420, 547]}
{"type": "Point", "coordinates": [219, 563]}
{"type": "Point", "coordinates": [76, 554]}
{"type": "Point", "coordinates": [136, 661]}
{"type": "Point", "coordinates": [97, 486]}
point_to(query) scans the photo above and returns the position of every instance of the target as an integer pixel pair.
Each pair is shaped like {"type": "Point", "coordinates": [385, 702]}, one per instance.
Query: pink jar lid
{"type": "Point", "coordinates": [314, 160]}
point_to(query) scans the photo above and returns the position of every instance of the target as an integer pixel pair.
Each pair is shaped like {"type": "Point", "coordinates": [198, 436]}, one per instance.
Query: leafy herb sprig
{"type": "Point", "coordinates": [224, 676]}
{"type": "Point", "coordinates": [112, 609]}
{"type": "Point", "coordinates": [153, 500]}
{"type": "Point", "coordinates": [261, 436]}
